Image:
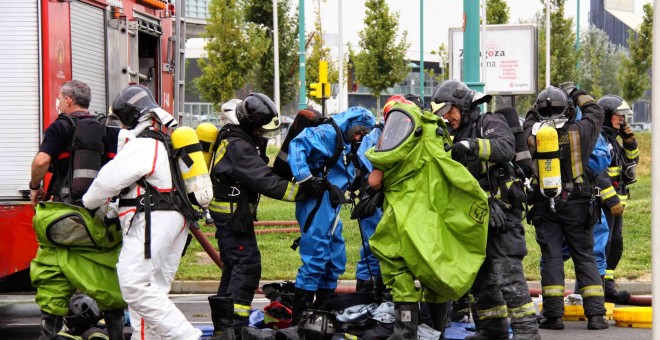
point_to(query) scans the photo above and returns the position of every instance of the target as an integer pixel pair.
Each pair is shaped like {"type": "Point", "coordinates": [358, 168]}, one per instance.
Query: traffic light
{"type": "Point", "coordinates": [315, 90]}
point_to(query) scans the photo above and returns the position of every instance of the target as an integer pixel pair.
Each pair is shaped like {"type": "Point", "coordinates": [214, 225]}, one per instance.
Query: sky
{"type": "Point", "coordinates": [439, 16]}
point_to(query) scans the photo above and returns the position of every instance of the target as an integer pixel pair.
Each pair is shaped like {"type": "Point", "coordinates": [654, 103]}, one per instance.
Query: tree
{"type": "Point", "coordinates": [563, 56]}
{"type": "Point", "coordinates": [231, 49]}
{"type": "Point", "coordinates": [497, 12]}
{"type": "Point", "coordinates": [318, 53]}
{"type": "Point", "coordinates": [382, 61]}
{"type": "Point", "coordinates": [599, 60]}
{"type": "Point", "coordinates": [633, 74]}
{"type": "Point", "coordinates": [443, 59]}
{"type": "Point", "coordinates": [260, 12]}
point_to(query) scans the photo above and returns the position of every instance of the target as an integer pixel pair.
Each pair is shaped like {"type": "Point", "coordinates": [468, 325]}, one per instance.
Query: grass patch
{"type": "Point", "coordinates": [280, 262]}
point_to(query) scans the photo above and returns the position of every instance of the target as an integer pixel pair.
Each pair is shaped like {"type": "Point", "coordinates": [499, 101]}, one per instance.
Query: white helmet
{"type": "Point", "coordinates": [228, 112]}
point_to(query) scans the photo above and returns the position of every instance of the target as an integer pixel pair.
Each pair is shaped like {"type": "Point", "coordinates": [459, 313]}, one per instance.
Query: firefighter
{"type": "Point", "coordinates": [569, 212]}
{"type": "Point", "coordinates": [141, 173]}
{"type": "Point", "coordinates": [240, 174]}
{"type": "Point", "coordinates": [485, 145]}
{"type": "Point", "coordinates": [621, 174]}
{"type": "Point", "coordinates": [322, 249]}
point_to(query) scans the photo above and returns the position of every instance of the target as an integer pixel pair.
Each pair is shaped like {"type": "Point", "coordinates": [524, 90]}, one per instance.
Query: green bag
{"type": "Point", "coordinates": [65, 225]}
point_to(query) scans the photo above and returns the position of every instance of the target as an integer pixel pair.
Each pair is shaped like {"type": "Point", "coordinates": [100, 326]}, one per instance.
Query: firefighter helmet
{"type": "Point", "coordinates": [228, 111]}
{"type": "Point", "coordinates": [552, 103]}
{"type": "Point", "coordinates": [83, 314]}
{"type": "Point", "coordinates": [132, 103]}
{"type": "Point", "coordinates": [612, 104]}
{"type": "Point", "coordinates": [457, 93]}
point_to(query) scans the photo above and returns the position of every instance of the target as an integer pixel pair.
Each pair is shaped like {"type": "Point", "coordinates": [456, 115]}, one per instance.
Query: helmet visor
{"type": "Point", "coordinates": [398, 127]}
{"type": "Point", "coordinates": [272, 129]}
{"type": "Point", "coordinates": [440, 109]}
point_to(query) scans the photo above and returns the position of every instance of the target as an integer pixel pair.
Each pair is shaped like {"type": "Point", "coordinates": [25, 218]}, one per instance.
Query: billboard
{"type": "Point", "coordinates": [511, 58]}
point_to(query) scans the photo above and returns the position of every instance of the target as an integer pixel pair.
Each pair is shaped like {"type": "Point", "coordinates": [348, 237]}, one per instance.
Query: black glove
{"type": "Point", "coordinates": [336, 196]}
{"type": "Point", "coordinates": [627, 133]}
{"type": "Point", "coordinates": [497, 218]}
{"type": "Point", "coordinates": [461, 150]}
{"type": "Point", "coordinates": [314, 186]}
{"type": "Point", "coordinates": [368, 204]}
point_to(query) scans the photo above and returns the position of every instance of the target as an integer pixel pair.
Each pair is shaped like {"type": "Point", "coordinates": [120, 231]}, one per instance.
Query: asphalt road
{"type": "Point", "coordinates": [19, 319]}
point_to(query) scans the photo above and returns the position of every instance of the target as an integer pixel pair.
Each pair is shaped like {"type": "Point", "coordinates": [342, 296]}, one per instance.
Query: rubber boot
{"type": "Point", "coordinates": [439, 317]}
{"type": "Point", "coordinates": [407, 320]}
{"type": "Point", "coordinates": [322, 297]}
{"type": "Point", "coordinates": [597, 322]}
{"type": "Point", "coordinates": [114, 323]}
{"type": "Point", "coordinates": [461, 309]}
{"type": "Point", "coordinates": [364, 286]}
{"type": "Point", "coordinates": [302, 301]}
{"type": "Point", "coordinates": [612, 295]}
{"type": "Point", "coordinates": [222, 313]}
{"type": "Point", "coordinates": [525, 328]}
{"type": "Point", "coordinates": [492, 329]}
{"type": "Point", "coordinates": [50, 326]}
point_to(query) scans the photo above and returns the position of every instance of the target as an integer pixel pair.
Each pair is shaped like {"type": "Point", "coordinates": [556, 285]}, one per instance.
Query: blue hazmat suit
{"type": "Point", "coordinates": [368, 266]}
{"type": "Point", "coordinates": [322, 248]}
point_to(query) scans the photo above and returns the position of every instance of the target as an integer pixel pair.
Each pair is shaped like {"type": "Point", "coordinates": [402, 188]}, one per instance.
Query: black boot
{"type": "Point", "coordinates": [460, 311]}
{"type": "Point", "coordinates": [364, 286]}
{"type": "Point", "coordinates": [114, 323]}
{"type": "Point", "coordinates": [492, 329]}
{"type": "Point", "coordinates": [50, 326]}
{"type": "Point", "coordinates": [549, 322]}
{"type": "Point", "coordinates": [597, 322]}
{"type": "Point", "coordinates": [222, 315]}
{"type": "Point", "coordinates": [612, 295]}
{"type": "Point", "coordinates": [407, 320]}
{"type": "Point", "coordinates": [322, 297]}
{"type": "Point", "coordinates": [302, 301]}
{"type": "Point", "coordinates": [439, 317]}
{"type": "Point", "coordinates": [525, 328]}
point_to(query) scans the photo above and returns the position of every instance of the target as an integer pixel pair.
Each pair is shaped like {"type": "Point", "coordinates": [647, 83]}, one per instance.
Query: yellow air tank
{"type": "Point", "coordinates": [547, 148]}
{"type": "Point", "coordinates": [191, 163]}
{"type": "Point", "coordinates": [207, 134]}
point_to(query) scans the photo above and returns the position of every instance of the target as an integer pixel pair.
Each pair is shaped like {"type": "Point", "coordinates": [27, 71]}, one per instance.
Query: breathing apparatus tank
{"type": "Point", "coordinates": [547, 147]}
{"type": "Point", "coordinates": [207, 133]}
{"type": "Point", "coordinates": [193, 168]}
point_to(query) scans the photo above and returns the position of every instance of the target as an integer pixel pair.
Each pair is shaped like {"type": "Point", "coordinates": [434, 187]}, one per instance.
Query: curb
{"type": "Point", "coordinates": [211, 287]}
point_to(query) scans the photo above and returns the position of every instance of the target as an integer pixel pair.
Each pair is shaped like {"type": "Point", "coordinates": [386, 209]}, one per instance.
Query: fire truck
{"type": "Point", "coordinates": [107, 44]}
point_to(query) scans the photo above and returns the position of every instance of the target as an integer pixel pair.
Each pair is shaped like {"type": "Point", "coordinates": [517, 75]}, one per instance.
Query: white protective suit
{"type": "Point", "coordinates": [145, 283]}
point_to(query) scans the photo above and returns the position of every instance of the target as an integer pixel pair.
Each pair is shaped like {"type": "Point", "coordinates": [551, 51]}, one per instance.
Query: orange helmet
{"type": "Point", "coordinates": [390, 102]}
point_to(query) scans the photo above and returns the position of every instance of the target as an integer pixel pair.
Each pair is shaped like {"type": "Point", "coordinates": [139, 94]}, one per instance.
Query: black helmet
{"type": "Point", "coordinates": [256, 110]}
{"type": "Point", "coordinates": [457, 93]}
{"type": "Point", "coordinates": [612, 104]}
{"type": "Point", "coordinates": [552, 103]}
{"type": "Point", "coordinates": [83, 314]}
{"type": "Point", "coordinates": [131, 103]}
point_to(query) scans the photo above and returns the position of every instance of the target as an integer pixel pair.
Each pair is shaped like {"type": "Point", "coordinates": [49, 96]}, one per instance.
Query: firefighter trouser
{"type": "Point", "coordinates": [570, 222]}
{"type": "Point", "coordinates": [614, 248]}
{"type": "Point", "coordinates": [242, 259]}
{"type": "Point", "coordinates": [500, 289]}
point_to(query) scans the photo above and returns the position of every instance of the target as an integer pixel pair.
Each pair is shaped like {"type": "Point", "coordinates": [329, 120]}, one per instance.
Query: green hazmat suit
{"type": "Point", "coordinates": [77, 251]}
{"type": "Point", "coordinates": [435, 219]}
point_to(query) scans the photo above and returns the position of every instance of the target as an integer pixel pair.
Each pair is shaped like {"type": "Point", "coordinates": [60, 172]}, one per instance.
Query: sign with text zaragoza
{"type": "Point", "coordinates": [511, 58]}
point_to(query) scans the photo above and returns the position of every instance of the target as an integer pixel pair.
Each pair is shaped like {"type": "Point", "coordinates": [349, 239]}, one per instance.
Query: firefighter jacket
{"type": "Point", "coordinates": [576, 142]}
{"type": "Point", "coordinates": [496, 145]}
{"type": "Point", "coordinates": [623, 156]}
{"type": "Point", "coordinates": [240, 174]}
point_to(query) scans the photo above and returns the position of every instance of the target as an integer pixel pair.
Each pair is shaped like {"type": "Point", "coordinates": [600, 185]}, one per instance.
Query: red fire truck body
{"type": "Point", "coordinates": [107, 44]}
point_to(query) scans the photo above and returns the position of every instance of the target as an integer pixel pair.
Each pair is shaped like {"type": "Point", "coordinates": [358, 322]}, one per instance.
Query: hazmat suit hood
{"type": "Point", "coordinates": [354, 117]}
{"type": "Point", "coordinates": [439, 224]}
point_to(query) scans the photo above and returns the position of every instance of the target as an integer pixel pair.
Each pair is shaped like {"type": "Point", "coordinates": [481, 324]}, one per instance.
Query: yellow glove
{"type": "Point", "coordinates": [617, 209]}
